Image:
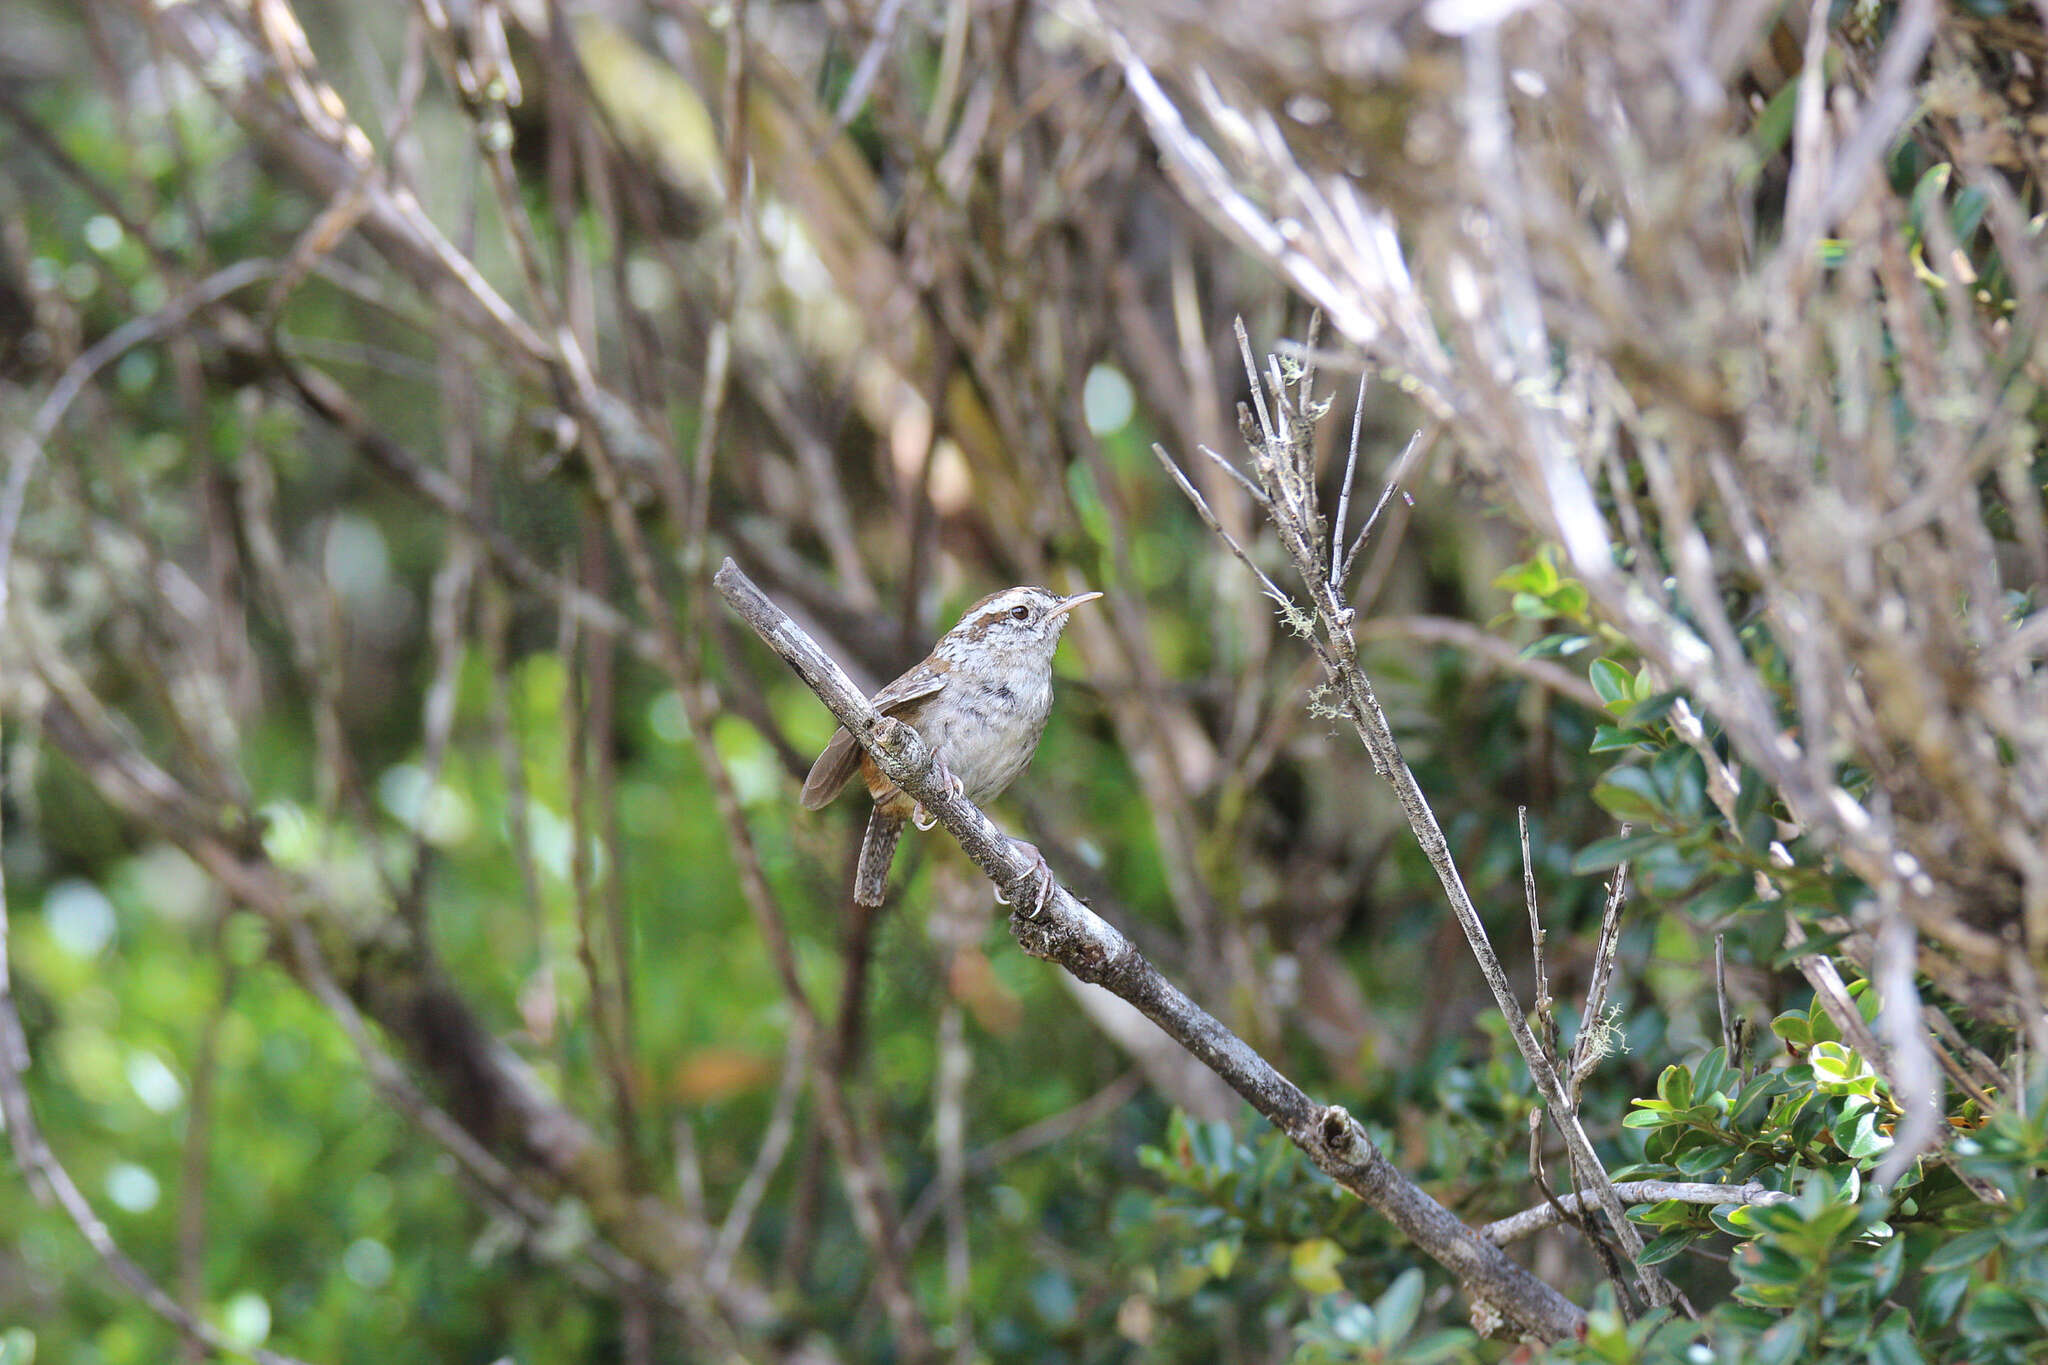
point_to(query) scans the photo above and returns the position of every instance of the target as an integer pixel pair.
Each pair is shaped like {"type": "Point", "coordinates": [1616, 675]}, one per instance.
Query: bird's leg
{"type": "Point", "coordinates": [945, 777]}
{"type": "Point", "coordinates": [1043, 871]}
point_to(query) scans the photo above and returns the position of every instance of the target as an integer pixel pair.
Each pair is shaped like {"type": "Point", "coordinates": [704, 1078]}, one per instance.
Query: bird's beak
{"type": "Point", "coordinates": [1068, 604]}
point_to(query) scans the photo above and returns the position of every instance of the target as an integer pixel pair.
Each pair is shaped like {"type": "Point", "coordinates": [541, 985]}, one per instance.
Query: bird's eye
{"type": "Point", "coordinates": [1020, 613]}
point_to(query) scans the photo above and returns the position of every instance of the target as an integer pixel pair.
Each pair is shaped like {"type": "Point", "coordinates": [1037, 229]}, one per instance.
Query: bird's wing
{"type": "Point", "coordinates": [923, 681]}
{"type": "Point", "coordinates": [842, 756]}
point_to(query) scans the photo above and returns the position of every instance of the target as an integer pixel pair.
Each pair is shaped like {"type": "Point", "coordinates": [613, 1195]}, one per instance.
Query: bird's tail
{"type": "Point", "coordinates": [877, 851]}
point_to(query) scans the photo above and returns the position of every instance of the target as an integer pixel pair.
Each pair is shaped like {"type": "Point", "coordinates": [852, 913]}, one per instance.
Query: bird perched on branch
{"type": "Point", "coordinates": [979, 699]}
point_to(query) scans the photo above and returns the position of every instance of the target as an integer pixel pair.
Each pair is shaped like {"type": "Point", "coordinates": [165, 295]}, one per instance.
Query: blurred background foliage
{"type": "Point", "coordinates": [893, 311]}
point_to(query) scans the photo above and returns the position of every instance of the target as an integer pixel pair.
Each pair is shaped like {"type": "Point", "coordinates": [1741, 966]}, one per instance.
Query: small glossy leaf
{"type": "Point", "coordinates": [1630, 794]}
{"type": "Point", "coordinates": [1737, 1220]}
{"type": "Point", "coordinates": [1965, 1250]}
{"type": "Point", "coordinates": [1700, 1162]}
{"type": "Point", "coordinates": [1613, 683]}
{"type": "Point", "coordinates": [1650, 709]}
{"type": "Point", "coordinates": [1793, 1028]}
{"type": "Point", "coordinates": [1939, 1295]}
{"type": "Point", "coordinates": [1667, 1245]}
{"type": "Point", "coordinates": [1712, 1074]}
{"type": "Point", "coordinates": [1995, 1313]}
{"type": "Point", "coordinates": [1674, 1087]}
{"type": "Point", "coordinates": [1609, 738]}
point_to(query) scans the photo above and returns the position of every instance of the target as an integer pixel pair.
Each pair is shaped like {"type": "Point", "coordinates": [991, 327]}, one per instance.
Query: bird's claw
{"type": "Point", "coordinates": [947, 779]}
{"type": "Point", "coordinates": [1042, 870]}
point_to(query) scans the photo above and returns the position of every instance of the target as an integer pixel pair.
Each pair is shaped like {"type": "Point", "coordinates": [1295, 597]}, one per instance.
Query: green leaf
{"type": "Point", "coordinates": [1816, 945]}
{"type": "Point", "coordinates": [1857, 1133]}
{"type": "Point", "coordinates": [1602, 854]}
{"type": "Point", "coordinates": [1967, 214]}
{"type": "Point", "coordinates": [1569, 601]}
{"type": "Point", "coordinates": [1682, 779]}
{"type": "Point", "coordinates": [1664, 1212]}
{"type": "Point", "coordinates": [1895, 1345]}
{"type": "Point", "coordinates": [1712, 1075]}
{"type": "Point", "coordinates": [1537, 575]}
{"type": "Point", "coordinates": [1396, 1309]}
{"type": "Point", "coordinates": [17, 1346]}
{"type": "Point", "coordinates": [1996, 1313]}
{"type": "Point", "coordinates": [1773, 126]}
{"type": "Point", "coordinates": [1674, 1087]}
{"type": "Point", "coordinates": [1965, 1250]}
{"type": "Point", "coordinates": [1444, 1345]}
{"type": "Point", "coordinates": [2029, 1229]}
{"type": "Point", "coordinates": [1650, 709]}
{"type": "Point", "coordinates": [1783, 1344]}
{"type": "Point", "coordinates": [1560, 645]}
{"type": "Point", "coordinates": [1221, 1257]}
{"type": "Point", "coordinates": [1753, 1095]}
{"type": "Point", "coordinates": [1793, 1028]}
{"type": "Point", "coordinates": [1927, 192]}
{"type": "Point", "coordinates": [1939, 1294]}
{"type": "Point", "coordinates": [1737, 1220]}
{"type": "Point", "coordinates": [1697, 1163]}
{"type": "Point", "coordinates": [1614, 684]}
{"type": "Point", "coordinates": [1890, 1264]}
{"type": "Point", "coordinates": [1772, 1266]}
{"type": "Point", "coordinates": [1313, 1265]}
{"type": "Point", "coordinates": [1835, 1065]}
{"type": "Point", "coordinates": [1608, 738]}
{"type": "Point", "coordinates": [1629, 794]}
{"type": "Point", "coordinates": [1667, 1245]}
{"type": "Point", "coordinates": [1723, 898]}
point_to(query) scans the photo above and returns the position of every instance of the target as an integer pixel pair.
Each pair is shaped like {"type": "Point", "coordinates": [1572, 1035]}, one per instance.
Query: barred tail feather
{"type": "Point", "coordinates": [877, 851]}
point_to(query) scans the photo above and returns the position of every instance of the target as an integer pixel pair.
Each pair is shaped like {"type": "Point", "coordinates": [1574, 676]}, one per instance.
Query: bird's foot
{"type": "Point", "coordinates": [1041, 897]}
{"type": "Point", "coordinates": [946, 778]}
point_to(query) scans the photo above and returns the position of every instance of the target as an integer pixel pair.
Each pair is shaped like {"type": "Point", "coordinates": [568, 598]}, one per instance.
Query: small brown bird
{"type": "Point", "coordinates": [979, 699]}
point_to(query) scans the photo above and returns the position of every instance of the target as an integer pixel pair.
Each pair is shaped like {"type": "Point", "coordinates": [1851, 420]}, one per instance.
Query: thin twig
{"type": "Point", "coordinates": [746, 1202]}
{"type": "Point", "coordinates": [949, 1137]}
{"type": "Point", "coordinates": [1550, 1213]}
{"type": "Point", "coordinates": [1344, 496]}
{"type": "Point", "coordinates": [1404, 464]}
{"type": "Point", "coordinates": [1579, 1217]}
{"type": "Point", "coordinates": [1243, 479]}
{"type": "Point", "coordinates": [1590, 1044]}
{"type": "Point", "coordinates": [1543, 1008]}
{"type": "Point", "coordinates": [1728, 1046]}
{"type": "Point", "coordinates": [1194, 495]}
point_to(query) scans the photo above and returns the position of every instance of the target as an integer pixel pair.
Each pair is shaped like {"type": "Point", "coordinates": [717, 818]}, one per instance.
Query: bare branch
{"type": "Point", "coordinates": [1548, 1215]}
{"type": "Point", "coordinates": [1067, 932]}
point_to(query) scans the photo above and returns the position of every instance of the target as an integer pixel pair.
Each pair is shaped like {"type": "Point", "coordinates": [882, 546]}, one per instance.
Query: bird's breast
{"type": "Point", "coordinates": [986, 733]}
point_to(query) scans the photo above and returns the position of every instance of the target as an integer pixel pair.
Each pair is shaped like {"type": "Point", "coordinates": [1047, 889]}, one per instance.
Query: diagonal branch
{"type": "Point", "coordinates": [1067, 932]}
